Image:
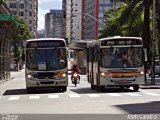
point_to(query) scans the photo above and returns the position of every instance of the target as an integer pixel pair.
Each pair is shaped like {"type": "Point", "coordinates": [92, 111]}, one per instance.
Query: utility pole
{"type": "Point", "coordinates": [153, 45]}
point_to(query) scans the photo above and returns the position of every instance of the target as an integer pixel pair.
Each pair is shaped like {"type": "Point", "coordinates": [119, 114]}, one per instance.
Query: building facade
{"type": "Point", "coordinates": [41, 33]}
{"type": "Point", "coordinates": [76, 19]}
{"type": "Point", "coordinates": [26, 10]}
{"type": "Point", "coordinates": [66, 7]}
{"type": "Point", "coordinates": [54, 24]}
{"type": "Point", "coordinates": [95, 8]}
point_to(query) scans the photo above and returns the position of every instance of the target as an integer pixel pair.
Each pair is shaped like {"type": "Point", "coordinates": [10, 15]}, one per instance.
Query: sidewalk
{"type": "Point", "coordinates": [12, 76]}
{"type": "Point", "coordinates": [148, 84]}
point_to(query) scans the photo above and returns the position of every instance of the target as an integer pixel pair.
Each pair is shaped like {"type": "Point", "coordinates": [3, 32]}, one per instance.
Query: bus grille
{"type": "Point", "coordinates": [44, 75]}
{"type": "Point", "coordinates": [122, 81]}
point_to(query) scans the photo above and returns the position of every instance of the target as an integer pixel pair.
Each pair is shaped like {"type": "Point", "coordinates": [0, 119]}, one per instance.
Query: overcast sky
{"type": "Point", "coordinates": [44, 7]}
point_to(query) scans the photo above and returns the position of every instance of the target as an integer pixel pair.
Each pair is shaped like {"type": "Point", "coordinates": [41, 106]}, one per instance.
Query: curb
{"type": "Point", "coordinates": [2, 81]}
{"type": "Point", "coordinates": [150, 86]}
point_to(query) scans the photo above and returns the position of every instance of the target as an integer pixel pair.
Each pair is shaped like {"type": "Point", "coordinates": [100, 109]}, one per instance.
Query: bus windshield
{"type": "Point", "coordinates": [121, 57]}
{"type": "Point", "coordinates": [46, 59]}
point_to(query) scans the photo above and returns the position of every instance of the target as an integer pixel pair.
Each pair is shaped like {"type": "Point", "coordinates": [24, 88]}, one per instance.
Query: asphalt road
{"type": "Point", "coordinates": [79, 100]}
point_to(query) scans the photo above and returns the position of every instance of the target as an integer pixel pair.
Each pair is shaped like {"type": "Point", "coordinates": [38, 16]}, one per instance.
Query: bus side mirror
{"type": "Point", "coordinates": [23, 57]}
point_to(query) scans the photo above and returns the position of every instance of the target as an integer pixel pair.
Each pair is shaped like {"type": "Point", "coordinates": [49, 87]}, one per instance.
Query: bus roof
{"type": "Point", "coordinates": [119, 37]}
{"type": "Point", "coordinates": [41, 39]}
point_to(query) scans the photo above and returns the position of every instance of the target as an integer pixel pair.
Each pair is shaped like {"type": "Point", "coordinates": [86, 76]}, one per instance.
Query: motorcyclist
{"type": "Point", "coordinates": [75, 69]}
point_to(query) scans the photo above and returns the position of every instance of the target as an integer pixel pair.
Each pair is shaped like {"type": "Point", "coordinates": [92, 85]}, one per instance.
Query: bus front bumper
{"type": "Point", "coordinates": [46, 83]}
{"type": "Point", "coordinates": [122, 81]}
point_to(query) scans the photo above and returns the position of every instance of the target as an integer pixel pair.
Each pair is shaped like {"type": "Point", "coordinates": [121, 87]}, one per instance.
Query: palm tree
{"type": "Point", "coordinates": [126, 20]}
{"type": "Point", "coordinates": [146, 31]}
{"type": "Point", "coordinates": [146, 28]}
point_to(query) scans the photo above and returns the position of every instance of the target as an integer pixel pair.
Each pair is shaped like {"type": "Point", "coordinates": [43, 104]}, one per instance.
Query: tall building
{"type": "Point", "coordinates": [76, 19]}
{"type": "Point", "coordinates": [54, 24]}
{"type": "Point", "coordinates": [26, 10]}
{"type": "Point", "coordinates": [95, 8]}
{"type": "Point", "coordinates": [66, 7]}
{"type": "Point", "coordinates": [41, 33]}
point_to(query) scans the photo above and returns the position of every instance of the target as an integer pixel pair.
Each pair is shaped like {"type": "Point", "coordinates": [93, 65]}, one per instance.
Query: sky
{"type": "Point", "coordinates": [43, 7]}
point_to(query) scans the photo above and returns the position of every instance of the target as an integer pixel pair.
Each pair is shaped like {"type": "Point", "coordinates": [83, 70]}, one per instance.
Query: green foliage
{"type": "Point", "coordinates": [126, 20]}
{"type": "Point", "coordinates": [21, 33]}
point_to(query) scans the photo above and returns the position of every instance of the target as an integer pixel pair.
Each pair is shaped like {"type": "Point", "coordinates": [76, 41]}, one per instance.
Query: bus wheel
{"type": "Point", "coordinates": [64, 88]}
{"type": "Point", "coordinates": [122, 87]}
{"type": "Point", "coordinates": [101, 88]}
{"type": "Point", "coordinates": [29, 90]}
{"type": "Point", "coordinates": [93, 87]}
{"type": "Point", "coordinates": [127, 87]}
{"type": "Point", "coordinates": [136, 87]}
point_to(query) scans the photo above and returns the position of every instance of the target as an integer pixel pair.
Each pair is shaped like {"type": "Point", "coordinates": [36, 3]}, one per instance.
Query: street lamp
{"type": "Point", "coordinates": [87, 15]}
{"type": "Point", "coordinates": [153, 45]}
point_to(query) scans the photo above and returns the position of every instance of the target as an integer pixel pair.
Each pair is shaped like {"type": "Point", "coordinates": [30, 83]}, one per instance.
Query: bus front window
{"type": "Point", "coordinates": [46, 59]}
{"type": "Point", "coordinates": [121, 57]}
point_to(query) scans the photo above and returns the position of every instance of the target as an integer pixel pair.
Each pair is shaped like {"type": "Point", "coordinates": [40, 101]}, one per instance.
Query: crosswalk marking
{"type": "Point", "coordinates": [114, 94]}
{"type": "Point", "coordinates": [93, 95]}
{"type": "Point", "coordinates": [152, 94]}
{"type": "Point", "coordinates": [132, 94]}
{"type": "Point", "coordinates": [53, 96]}
{"type": "Point", "coordinates": [74, 95]}
{"type": "Point", "coordinates": [14, 98]}
{"type": "Point", "coordinates": [34, 97]}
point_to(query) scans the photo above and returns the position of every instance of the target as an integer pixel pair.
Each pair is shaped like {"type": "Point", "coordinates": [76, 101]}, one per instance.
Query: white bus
{"type": "Point", "coordinates": [46, 63]}
{"type": "Point", "coordinates": [115, 61]}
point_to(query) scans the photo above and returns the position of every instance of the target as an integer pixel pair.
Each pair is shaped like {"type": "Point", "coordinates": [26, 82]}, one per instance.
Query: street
{"type": "Point", "coordinates": [77, 100]}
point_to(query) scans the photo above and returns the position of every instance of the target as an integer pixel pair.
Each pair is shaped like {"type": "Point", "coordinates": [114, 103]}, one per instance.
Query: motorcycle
{"type": "Point", "coordinates": [75, 79]}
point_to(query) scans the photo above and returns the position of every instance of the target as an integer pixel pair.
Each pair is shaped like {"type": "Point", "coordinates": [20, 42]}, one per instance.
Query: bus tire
{"type": "Point", "coordinates": [101, 88]}
{"type": "Point", "coordinates": [93, 87]}
{"type": "Point", "coordinates": [29, 90]}
{"type": "Point", "coordinates": [136, 87]}
{"type": "Point", "coordinates": [122, 87]}
{"type": "Point", "coordinates": [64, 89]}
{"type": "Point", "coordinates": [127, 87]}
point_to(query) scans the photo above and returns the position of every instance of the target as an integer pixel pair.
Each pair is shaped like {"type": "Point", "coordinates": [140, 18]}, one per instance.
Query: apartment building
{"type": "Point", "coordinates": [95, 8]}
{"type": "Point", "coordinates": [26, 10]}
{"type": "Point", "coordinates": [54, 24]}
{"type": "Point", "coordinates": [76, 19]}
{"type": "Point", "coordinates": [66, 8]}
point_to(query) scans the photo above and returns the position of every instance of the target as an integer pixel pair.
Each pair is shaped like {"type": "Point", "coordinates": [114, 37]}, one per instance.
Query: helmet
{"type": "Point", "coordinates": [74, 66]}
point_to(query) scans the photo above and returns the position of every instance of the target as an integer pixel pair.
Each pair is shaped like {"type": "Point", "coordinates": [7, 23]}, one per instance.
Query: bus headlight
{"type": "Point", "coordinates": [64, 75]}
{"type": "Point", "coordinates": [105, 75]}
{"type": "Point", "coordinates": [29, 76]}
{"type": "Point", "coordinates": [142, 72]}
{"type": "Point", "coordinates": [102, 74]}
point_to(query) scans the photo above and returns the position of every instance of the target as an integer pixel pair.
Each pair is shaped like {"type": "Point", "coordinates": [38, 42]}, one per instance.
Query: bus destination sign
{"type": "Point", "coordinates": [121, 42]}
{"type": "Point", "coordinates": [45, 44]}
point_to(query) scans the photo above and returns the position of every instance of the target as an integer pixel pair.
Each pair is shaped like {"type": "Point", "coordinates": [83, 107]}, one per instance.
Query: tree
{"type": "Point", "coordinates": [126, 20]}
{"type": "Point", "coordinates": [135, 7]}
{"type": "Point", "coordinates": [21, 33]}
{"type": "Point", "coordinates": [158, 25]}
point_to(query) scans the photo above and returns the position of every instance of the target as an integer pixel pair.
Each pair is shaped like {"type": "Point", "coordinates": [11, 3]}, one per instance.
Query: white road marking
{"type": "Point", "coordinates": [145, 91]}
{"type": "Point", "coordinates": [53, 96]}
{"type": "Point", "coordinates": [34, 97]}
{"type": "Point", "coordinates": [114, 94]}
{"type": "Point", "coordinates": [93, 95]}
{"type": "Point", "coordinates": [152, 94]}
{"type": "Point", "coordinates": [74, 95]}
{"type": "Point", "coordinates": [14, 98]}
{"type": "Point", "coordinates": [132, 94]}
